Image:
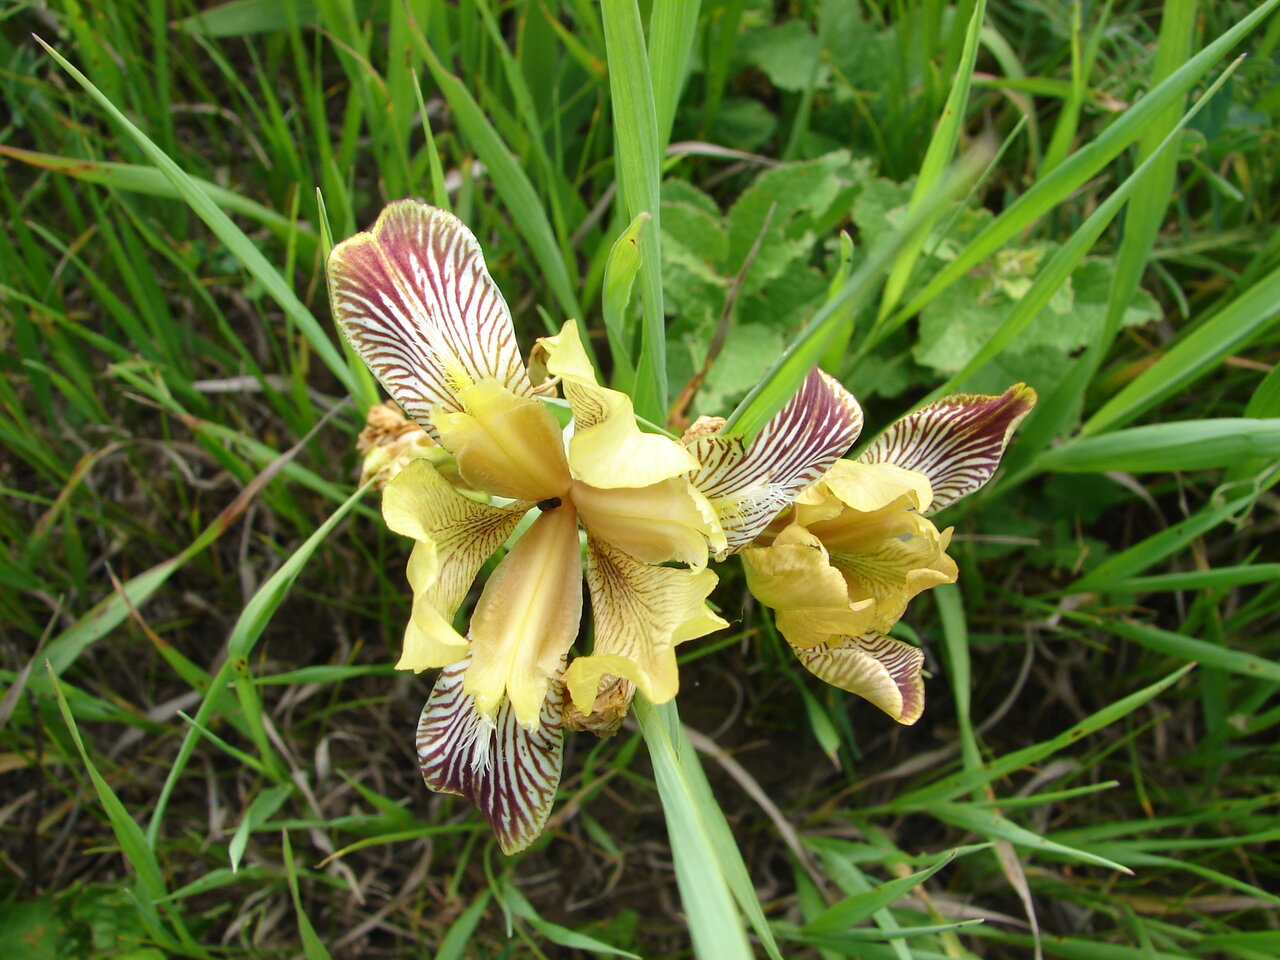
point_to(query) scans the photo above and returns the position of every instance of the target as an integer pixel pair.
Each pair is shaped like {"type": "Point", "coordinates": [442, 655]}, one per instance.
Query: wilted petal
{"type": "Point", "coordinates": [656, 523]}
{"type": "Point", "coordinates": [957, 442]}
{"type": "Point", "coordinates": [455, 536]}
{"type": "Point", "coordinates": [748, 486]}
{"type": "Point", "coordinates": [641, 613]}
{"type": "Point", "coordinates": [876, 668]}
{"type": "Point", "coordinates": [607, 448]}
{"type": "Point", "coordinates": [809, 597]}
{"type": "Point", "coordinates": [505, 445]}
{"type": "Point", "coordinates": [527, 618]}
{"type": "Point", "coordinates": [415, 301]}
{"type": "Point", "coordinates": [509, 772]}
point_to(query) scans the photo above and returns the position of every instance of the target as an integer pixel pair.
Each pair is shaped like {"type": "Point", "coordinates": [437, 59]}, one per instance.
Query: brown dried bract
{"type": "Point", "coordinates": [702, 427]}
{"type": "Point", "coordinates": [613, 700]}
{"type": "Point", "coordinates": [390, 440]}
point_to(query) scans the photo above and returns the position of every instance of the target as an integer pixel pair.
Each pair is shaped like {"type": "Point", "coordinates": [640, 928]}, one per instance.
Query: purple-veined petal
{"type": "Point", "coordinates": [641, 613]}
{"type": "Point", "coordinates": [749, 486]}
{"type": "Point", "coordinates": [956, 442]}
{"type": "Point", "coordinates": [508, 772]}
{"type": "Point", "coordinates": [417, 304]}
{"type": "Point", "coordinates": [880, 669]}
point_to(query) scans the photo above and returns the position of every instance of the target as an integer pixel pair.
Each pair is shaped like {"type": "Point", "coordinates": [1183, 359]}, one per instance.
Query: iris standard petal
{"type": "Point", "coordinates": [607, 448]}
{"type": "Point", "coordinates": [415, 301]}
{"type": "Point", "coordinates": [507, 770]}
{"type": "Point", "coordinates": [455, 536]}
{"type": "Point", "coordinates": [641, 613]}
{"type": "Point", "coordinates": [748, 485]}
{"type": "Point", "coordinates": [957, 442]}
{"type": "Point", "coordinates": [809, 596]}
{"type": "Point", "coordinates": [505, 445]}
{"type": "Point", "coordinates": [527, 617]}
{"type": "Point", "coordinates": [654, 524]}
{"type": "Point", "coordinates": [863, 488]}
{"type": "Point", "coordinates": [877, 668]}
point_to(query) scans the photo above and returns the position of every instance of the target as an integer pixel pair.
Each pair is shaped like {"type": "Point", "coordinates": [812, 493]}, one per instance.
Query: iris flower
{"type": "Point", "coordinates": [841, 564]}
{"type": "Point", "coordinates": [416, 302]}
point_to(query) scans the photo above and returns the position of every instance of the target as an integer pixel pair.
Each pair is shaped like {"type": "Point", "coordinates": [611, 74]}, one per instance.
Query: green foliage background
{"type": "Point", "coordinates": [203, 749]}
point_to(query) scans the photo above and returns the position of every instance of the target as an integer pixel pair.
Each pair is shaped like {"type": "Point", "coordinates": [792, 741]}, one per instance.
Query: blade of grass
{"type": "Point", "coordinates": [714, 923]}
{"type": "Point", "coordinates": [638, 161]}
{"type": "Point", "coordinates": [1054, 188]}
{"type": "Point", "coordinates": [937, 159]}
{"type": "Point", "coordinates": [1166, 447]}
{"type": "Point", "coordinates": [226, 231]}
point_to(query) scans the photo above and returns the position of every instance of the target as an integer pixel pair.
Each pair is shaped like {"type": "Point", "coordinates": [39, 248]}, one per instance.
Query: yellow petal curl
{"type": "Point", "coordinates": [809, 596]}
{"type": "Point", "coordinates": [656, 523]}
{"type": "Point", "coordinates": [607, 448]}
{"type": "Point", "coordinates": [505, 445]}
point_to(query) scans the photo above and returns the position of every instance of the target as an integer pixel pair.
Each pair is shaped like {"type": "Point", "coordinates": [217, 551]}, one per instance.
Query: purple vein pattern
{"type": "Point", "coordinates": [956, 442]}
{"type": "Point", "coordinates": [797, 446]}
{"type": "Point", "coordinates": [417, 304]}
{"type": "Point", "coordinates": [510, 773]}
{"type": "Point", "coordinates": [850, 665]}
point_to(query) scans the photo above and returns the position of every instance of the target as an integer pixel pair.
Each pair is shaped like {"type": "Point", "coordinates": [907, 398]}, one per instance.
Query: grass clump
{"type": "Point", "coordinates": [204, 749]}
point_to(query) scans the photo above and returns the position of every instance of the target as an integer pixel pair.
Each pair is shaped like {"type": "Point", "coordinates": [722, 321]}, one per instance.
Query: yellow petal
{"type": "Point", "coordinates": [607, 448]}
{"type": "Point", "coordinates": [455, 536]}
{"type": "Point", "coordinates": [505, 445]}
{"type": "Point", "coordinates": [876, 668]}
{"type": "Point", "coordinates": [429, 637]}
{"type": "Point", "coordinates": [863, 487]}
{"type": "Point", "coordinates": [809, 597]}
{"type": "Point", "coordinates": [527, 618]}
{"type": "Point", "coordinates": [641, 613]}
{"type": "Point", "coordinates": [660, 522]}
{"type": "Point", "coordinates": [897, 556]}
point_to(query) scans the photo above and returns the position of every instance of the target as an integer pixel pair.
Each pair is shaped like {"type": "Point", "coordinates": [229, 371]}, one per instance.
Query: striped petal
{"type": "Point", "coordinates": [876, 668]}
{"type": "Point", "coordinates": [455, 535]}
{"type": "Point", "coordinates": [956, 442]}
{"type": "Point", "coordinates": [748, 486]}
{"type": "Point", "coordinates": [641, 613]}
{"type": "Point", "coordinates": [527, 618]}
{"type": "Point", "coordinates": [607, 448]}
{"type": "Point", "coordinates": [414, 299]}
{"type": "Point", "coordinates": [509, 772]}
{"type": "Point", "coordinates": [809, 597]}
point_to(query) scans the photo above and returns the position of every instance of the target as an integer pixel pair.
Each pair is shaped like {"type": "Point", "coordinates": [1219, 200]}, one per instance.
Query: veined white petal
{"type": "Point", "coordinates": [414, 299]}
{"type": "Point", "coordinates": [880, 669]}
{"type": "Point", "coordinates": [749, 485]}
{"type": "Point", "coordinates": [956, 442]}
{"type": "Point", "coordinates": [509, 772]}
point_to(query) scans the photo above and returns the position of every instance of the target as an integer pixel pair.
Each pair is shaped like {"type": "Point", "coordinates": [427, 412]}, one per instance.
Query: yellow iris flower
{"type": "Point", "coordinates": [414, 299]}
{"type": "Point", "coordinates": [841, 564]}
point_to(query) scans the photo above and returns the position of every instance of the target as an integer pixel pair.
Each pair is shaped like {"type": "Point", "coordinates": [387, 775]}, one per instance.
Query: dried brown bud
{"type": "Point", "coordinates": [613, 700]}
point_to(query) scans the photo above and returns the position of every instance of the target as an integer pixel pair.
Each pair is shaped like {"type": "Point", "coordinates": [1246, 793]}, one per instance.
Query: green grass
{"type": "Point", "coordinates": [203, 748]}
